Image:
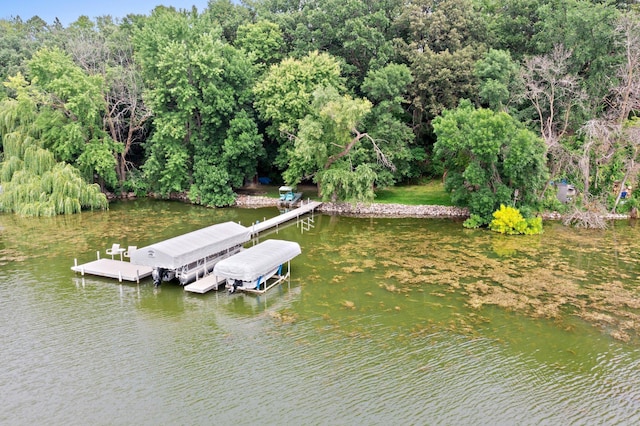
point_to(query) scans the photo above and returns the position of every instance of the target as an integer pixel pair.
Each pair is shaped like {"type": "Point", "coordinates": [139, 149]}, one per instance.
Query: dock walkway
{"type": "Point", "coordinates": [259, 227]}
{"type": "Point", "coordinates": [204, 284]}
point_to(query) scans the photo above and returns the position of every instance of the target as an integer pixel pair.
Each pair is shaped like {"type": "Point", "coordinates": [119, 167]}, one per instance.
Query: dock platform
{"type": "Point", "coordinates": [205, 284]}
{"type": "Point", "coordinates": [284, 217]}
{"type": "Point", "coordinates": [117, 269]}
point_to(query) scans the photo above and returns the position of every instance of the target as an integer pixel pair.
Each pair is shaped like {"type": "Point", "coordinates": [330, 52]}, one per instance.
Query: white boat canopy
{"type": "Point", "coordinates": [257, 261]}
{"type": "Point", "coordinates": [191, 247]}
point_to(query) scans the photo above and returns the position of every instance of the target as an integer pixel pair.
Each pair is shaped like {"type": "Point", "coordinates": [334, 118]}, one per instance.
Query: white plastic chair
{"type": "Point", "coordinates": [115, 249]}
{"type": "Point", "coordinates": [130, 250]}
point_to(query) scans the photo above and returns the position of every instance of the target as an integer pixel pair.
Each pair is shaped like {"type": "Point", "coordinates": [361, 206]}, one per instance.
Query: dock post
{"type": "Point", "coordinates": [120, 276]}
{"type": "Point", "coordinates": [138, 276]}
{"type": "Point", "coordinates": [75, 262]}
{"type": "Point", "coordinates": [98, 254]}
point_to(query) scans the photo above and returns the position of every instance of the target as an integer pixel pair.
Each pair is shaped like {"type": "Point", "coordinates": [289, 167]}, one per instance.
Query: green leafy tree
{"type": "Point", "coordinates": [490, 159]}
{"type": "Point", "coordinates": [33, 182]}
{"type": "Point", "coordinates": [285, 93]}
{"type": "Point", "coordinates": [227, 15]}
{"type": "Point", "coordinates": [19, 40]}
{"type": "Point", "coordinates": [498, 75]}
{"type": "Point", "coordinates": [198, 88]}
{"type": "Point", "coordinates": [105, 49]}
{"type": "Point", "coordinates": [325, 148]}
{"type": "Point", "coordinates": [587, 30]}
{"type": "Point", "coordinates": [513, 24]}
{"type": "Point", "coordinates": [358, 32]}
{"type": "Point", "coordinates": [263, 41]}
{"type": "Point", "coordinates": [284, 96]}
{"type": "Point", "coordinates": [387, 89]}
{"type": "Point", "coordinates": [443, 41]}
{"type": "Point", "coordinates": [70, 115]}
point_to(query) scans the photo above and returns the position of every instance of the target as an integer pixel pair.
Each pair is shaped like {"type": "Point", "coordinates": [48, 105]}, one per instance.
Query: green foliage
{"type": "Point", "coordinates": [227, 15]}
{"type": "Point", "coordinates": [490, 159]}
{"type": "Point", "coordinates": [19, 40]}
{"type": "Point", "coordinates": [387, 88]}
{"type": "Point", "coordinates": [33, 183]}
{"type": "Point", "coordinates": [69, 118]}
{"type": "Point", "coordinates": [263, 41]}
{"type": "Point", "coordinates": [444, 40]}
{"type": "Point", "coordinates": [82, 100]}
{"type": "Point", "coordinates": [199, 87]}
{"type": "Point", "coordinates": [60, 190]}
{"type": "Point", "coordinates": [498, 74]}
{"type": "Point", "coordinates": [508, 220]}
{"type": "Point", "coordinates": [285, 94]}
{"type": "Point", "coordinates": [474, 221]}
{"type": "Point", "coordinates": [347, 185]}
{"type": "Point", "coordinates": [358, 32]}
{"type": "Point", "coordinates": [588, 30]}
{"type": "Point", "coordinates": [628, 204]}
{"type": "Point", "coordinates": [136, 183]}
{"type": "Point", "coordinates": [327, 148]}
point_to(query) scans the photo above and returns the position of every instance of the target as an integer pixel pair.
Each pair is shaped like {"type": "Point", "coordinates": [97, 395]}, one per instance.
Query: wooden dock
{"type": "Point", "coordinates": [259, 227]}
{"type": "Point", "coordinates": [205, 284]}
{"type": "Point", "coordinates": [110, 268]}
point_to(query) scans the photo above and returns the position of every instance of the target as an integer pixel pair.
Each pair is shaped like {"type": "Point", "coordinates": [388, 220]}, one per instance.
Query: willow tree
{"type": "Point", "coordinates": [33, 182]}
{"type": "Point", "coordinates": [284, 96]}
{"type": "Point", "coordinates": [331, 148]}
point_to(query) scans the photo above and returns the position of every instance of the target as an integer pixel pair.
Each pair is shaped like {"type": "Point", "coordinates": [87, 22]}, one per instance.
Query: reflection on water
{"type": "Point", "coordinates": [385, 321]}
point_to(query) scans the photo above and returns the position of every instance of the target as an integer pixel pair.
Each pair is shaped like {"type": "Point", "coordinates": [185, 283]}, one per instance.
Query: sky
{"type": "Point", "coordinates": [68, 11]}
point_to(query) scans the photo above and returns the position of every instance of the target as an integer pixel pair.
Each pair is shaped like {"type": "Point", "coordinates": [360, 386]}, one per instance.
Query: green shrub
{"type": "Point", "coordinates": [474, 221]}
{"type": "Point", "coordinates": [508, 220]}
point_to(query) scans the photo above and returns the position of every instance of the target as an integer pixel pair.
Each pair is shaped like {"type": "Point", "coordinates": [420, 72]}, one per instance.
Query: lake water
{"type": "Point", "coordinates": [384, 322]}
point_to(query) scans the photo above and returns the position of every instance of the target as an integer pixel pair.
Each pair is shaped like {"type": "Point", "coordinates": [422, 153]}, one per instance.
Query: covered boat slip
{"type": "Point", "coordinates": [251, 269]}
{"type": "Point", "coordinates": [193, 254]}
{"type": "Point", "coordinates": [187, 248]}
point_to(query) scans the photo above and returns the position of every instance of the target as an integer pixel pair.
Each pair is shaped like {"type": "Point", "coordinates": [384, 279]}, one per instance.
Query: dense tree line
{"type": "Point", "coordinates": [501, 98]}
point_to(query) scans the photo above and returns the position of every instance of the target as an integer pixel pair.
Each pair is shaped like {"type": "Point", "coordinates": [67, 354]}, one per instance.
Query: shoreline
{"type": "Point", "coordinates": [364, 209]}
{"type": "Point", "coordinates": [388, 210]}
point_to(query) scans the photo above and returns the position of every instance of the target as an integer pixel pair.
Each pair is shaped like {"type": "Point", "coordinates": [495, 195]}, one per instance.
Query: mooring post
{"type": "Point", "coordinates": [120, 276]}
{"type": "Point", "coordinates": [98, 254]}
{"type": "Point", "coordinates": [138, 276]}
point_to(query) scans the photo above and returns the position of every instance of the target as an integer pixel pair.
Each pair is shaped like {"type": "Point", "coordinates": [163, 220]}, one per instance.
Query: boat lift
{"type": "Point", "coordinates": [259, 268]}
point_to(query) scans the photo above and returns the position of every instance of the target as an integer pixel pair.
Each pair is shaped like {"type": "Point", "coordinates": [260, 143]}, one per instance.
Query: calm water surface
{"type": "Point", "coordinates": [384, 322]}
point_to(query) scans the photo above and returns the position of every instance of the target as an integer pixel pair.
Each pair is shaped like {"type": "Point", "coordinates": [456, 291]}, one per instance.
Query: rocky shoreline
{"type": "Point", "coordinates": [387, 210]}
{"type": "Point", "coordinates": [363, 209]}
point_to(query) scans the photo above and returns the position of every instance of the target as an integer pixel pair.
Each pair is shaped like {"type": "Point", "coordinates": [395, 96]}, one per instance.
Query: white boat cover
{"type": "Point", "coordinates": [185, 249]}
{"type": "Point", "coordinates": [254, 262]}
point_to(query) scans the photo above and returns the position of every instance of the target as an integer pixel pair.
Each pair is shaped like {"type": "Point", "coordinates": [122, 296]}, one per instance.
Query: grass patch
{"type": "Point", "coordinates": [427, 193]}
